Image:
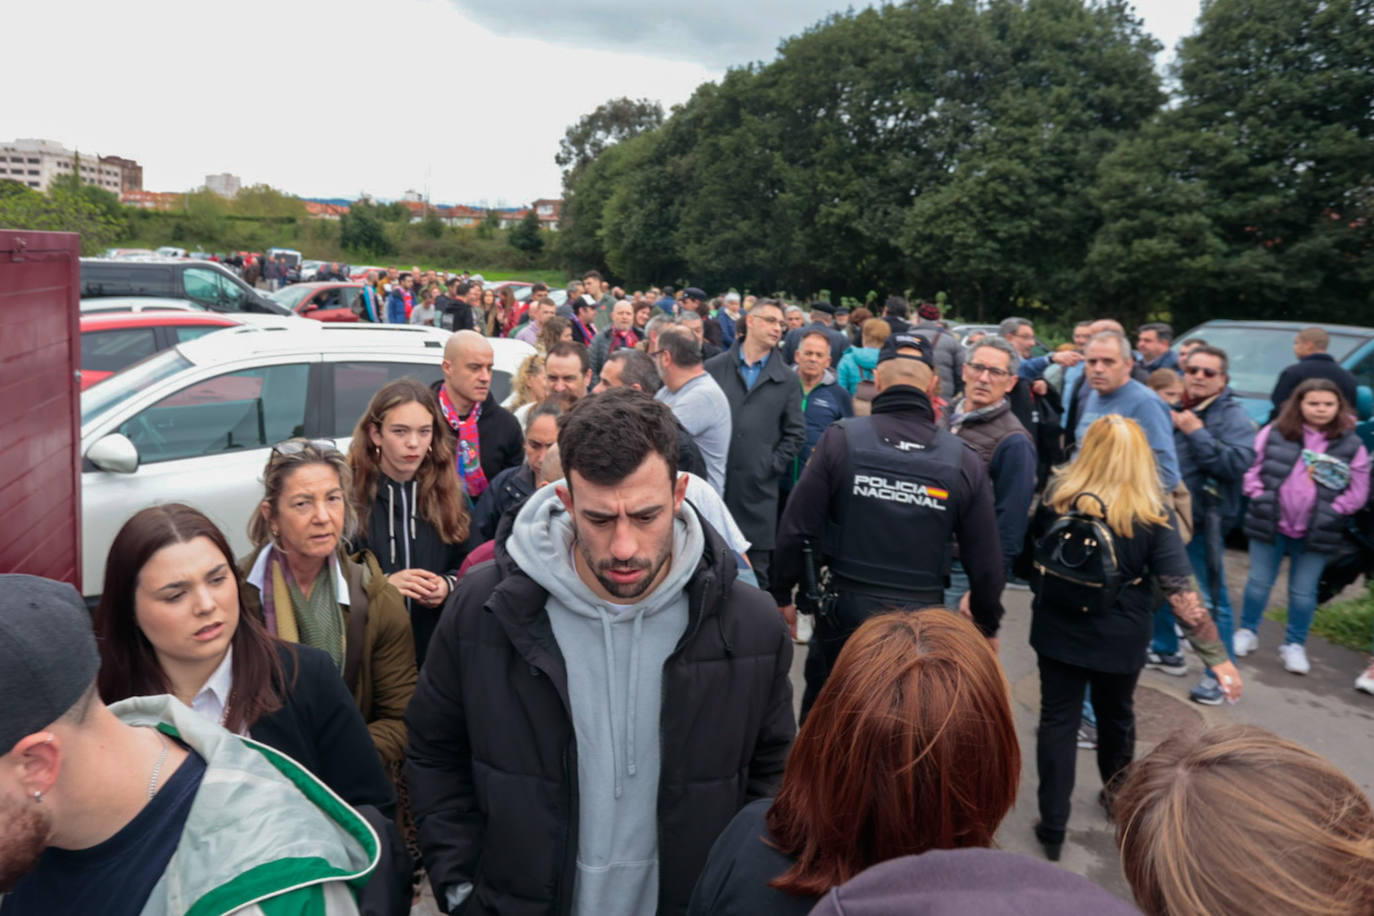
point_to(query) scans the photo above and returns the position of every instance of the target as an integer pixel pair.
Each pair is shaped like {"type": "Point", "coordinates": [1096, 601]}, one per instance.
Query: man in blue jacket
{"type": "Point", "coordinates": [823, 402]}
{"type": "Point", "coordinates": [1214, 439]}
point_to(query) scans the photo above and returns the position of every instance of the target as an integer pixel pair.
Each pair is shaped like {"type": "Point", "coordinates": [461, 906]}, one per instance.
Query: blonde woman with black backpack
{"type": "Point", "coordinates": [1104, 539]}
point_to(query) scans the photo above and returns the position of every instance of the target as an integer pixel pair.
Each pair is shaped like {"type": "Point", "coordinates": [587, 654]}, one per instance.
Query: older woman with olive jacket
{"type": "Point", "coordinates": [306, 589]}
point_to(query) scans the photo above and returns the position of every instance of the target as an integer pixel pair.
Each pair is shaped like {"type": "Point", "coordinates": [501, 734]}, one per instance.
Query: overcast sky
{"type": "Point", "coordinates": [466, 99]}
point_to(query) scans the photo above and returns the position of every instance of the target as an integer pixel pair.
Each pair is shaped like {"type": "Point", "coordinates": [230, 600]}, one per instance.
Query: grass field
{"type": "Point", "coordinates": [1345, 623]}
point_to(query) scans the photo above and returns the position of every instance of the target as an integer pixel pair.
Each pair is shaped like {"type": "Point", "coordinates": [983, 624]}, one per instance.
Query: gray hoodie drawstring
{"type": "Point", "coordinates": [610, 691]}
{"type": "Point", "coordinates": [630, 766]}
{"type": "Point", "coordinates": [414, 498]}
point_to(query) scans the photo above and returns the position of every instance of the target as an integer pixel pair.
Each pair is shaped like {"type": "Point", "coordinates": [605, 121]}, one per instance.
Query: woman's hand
{"type": "Point", "coordinates": [418, 584]}
{"type": "Point", "coordinates": [1229, 679]}
{"type": "Point", "coordinates": [439, 594]}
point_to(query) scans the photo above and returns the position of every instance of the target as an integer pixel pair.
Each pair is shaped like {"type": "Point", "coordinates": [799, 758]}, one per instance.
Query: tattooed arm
{"type": "Point", "coordinates": [1201, 631]}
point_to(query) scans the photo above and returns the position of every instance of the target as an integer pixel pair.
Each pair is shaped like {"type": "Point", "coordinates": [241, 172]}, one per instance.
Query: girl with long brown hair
{"type": "Point", "coordinates": [909, 747]}
{"type": "Point", "coordinates": [1310, 472]}
{"type": "Point", "coordinates": [412, 513]}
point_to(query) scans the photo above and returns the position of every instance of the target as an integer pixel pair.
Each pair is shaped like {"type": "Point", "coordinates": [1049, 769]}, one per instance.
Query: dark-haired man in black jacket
{"type": "Point", "coordinates": [603, 697]}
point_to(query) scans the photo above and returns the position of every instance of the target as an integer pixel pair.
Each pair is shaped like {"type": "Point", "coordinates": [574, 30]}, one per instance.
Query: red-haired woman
{"type": "Point", "coordinates": [910, 747]}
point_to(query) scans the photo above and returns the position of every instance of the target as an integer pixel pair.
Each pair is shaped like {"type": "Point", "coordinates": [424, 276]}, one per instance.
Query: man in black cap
{"type": "Point", "coordinates": [147, 806]}
{"type": "Point", "coordinates": [822, 319]}
{"type": "Point", "coordinates": [694, 300]}
{"type": "Point", "coordinates": [877, 505]}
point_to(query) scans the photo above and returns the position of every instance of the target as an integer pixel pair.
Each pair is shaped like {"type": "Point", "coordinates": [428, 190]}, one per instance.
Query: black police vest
{"type": "Point", "coordinates": [891, 526]}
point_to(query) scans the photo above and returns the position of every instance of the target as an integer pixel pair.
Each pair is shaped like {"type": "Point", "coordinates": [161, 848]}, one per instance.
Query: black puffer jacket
{"type": "Point", "coordinates": [492, 761]}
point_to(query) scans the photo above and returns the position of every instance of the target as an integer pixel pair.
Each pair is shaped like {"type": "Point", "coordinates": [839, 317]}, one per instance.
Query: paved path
{"type": "Point", "coordinates": [1322, 711]}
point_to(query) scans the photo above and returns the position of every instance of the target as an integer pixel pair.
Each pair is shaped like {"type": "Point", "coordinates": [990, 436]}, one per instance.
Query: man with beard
{"type": "Point", "coordinates": [559, 760]}
{"type": "Point", "coordinates": [146, 806]}
{"type": "Point", "coordinates": [568, 372]}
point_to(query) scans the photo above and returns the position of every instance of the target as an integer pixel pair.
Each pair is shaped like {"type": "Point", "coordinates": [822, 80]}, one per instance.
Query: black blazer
{"type": "Point", "coordinates": [320, 727]}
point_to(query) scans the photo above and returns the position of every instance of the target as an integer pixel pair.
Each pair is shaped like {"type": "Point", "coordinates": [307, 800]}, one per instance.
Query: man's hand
{"type": "Point", "coordinates": [964, 607]}
{"type": "Point", "coordinates": [1040, 387]}
{"type": "Point", "coordinates": [1186, 422]}
{"type": "Point", "coordinates": [1067, 358]}
{"type": "Point", "coordinates": [789, 616]}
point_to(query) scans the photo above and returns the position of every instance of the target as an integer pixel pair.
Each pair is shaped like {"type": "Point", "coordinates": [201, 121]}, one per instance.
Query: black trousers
{"type": "Point", "coordinates": [760, 560]}
{"type": "Point", "coordinates": [832, 630]}
{"type": "Point", "coordinates": [1056, 746]}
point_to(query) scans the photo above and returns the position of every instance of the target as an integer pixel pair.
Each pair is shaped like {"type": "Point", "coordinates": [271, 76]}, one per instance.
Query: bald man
{"type": "Point", "coordinates": [879, 501]}
{"type": "Point", "coordinates": [489, 436]}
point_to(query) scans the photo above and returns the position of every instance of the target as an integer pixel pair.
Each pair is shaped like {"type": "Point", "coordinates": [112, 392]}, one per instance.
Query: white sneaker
{"type": "Point", "coordinates": [1365, 681]}
{"type": "Point", "coordinates": [804, 629]}
{"type": "Point", "coordinates": [1294, 658]}
{"type": "Point", "coordinates": [1244, 642]}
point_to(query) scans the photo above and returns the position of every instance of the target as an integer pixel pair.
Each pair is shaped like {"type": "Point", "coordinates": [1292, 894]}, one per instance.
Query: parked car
{"type": "Point", "coordinates": [196, 423]}
{"type": "Point", "coordinates": [1259, 350]}
{"type": "Point", "coordinates": [321, 301]}
{"type": "Point", "coordinates": [171, 251]}
{"type": "Point", "coordinates": [138, 304]}
{"type": "Point", "coordinates": [112, 341]}
{"type": "Point", "coordinates": [130, 254]}
{"type": "Point", "coordinates": [359, 272]}
{"type": "Point", "coordinates": [211, 285]}
{"type": "Point", "coordinates": [309, 269]}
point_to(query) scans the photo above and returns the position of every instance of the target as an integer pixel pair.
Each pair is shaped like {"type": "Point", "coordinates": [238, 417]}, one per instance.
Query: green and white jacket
{"type": "Point", "coordinates": [264, 837]}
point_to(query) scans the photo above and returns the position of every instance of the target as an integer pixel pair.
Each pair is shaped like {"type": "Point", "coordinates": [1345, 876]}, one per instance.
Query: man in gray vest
{"type": "Point", "coordinates": [984, 420]}
{"type": "Point", "coordinates": [874, 487]}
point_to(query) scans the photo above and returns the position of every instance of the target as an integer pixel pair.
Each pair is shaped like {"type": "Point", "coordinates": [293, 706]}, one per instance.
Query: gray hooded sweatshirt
{"type": "Point", "coordinates": [615, 656]}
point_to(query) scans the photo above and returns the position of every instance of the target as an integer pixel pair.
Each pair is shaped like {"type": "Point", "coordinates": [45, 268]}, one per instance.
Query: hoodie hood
{"type": "Point", "coordinates": [541, 544]}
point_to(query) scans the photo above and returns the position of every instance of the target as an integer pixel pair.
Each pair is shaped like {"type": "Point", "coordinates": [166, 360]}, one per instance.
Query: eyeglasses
{"type": "Point", "coordinates": [290, 447]}
{"type": "Point", "coordinates": [1202, 370]}
{"type": "Point", "coordinates": [978, 369]}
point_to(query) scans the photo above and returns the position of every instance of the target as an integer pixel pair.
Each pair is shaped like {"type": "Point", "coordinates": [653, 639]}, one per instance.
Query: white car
{"type": "Point", "coordinates": [196, 423]}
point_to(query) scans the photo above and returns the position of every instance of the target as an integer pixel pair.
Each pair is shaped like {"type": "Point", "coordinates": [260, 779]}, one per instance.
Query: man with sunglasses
{"type": "Point", "coordinates": [1214, 439]}
{"type": "Point", "coordinates": [983, 419]}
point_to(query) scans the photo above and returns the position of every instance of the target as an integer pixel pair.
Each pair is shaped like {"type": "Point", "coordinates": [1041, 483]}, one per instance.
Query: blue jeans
{"type": "Point", "coordinates": [958, 584]}
{"type": "Point", "coordinates": [1166, 637]}
{"type": "Point", "coordinates": [1304, 571]}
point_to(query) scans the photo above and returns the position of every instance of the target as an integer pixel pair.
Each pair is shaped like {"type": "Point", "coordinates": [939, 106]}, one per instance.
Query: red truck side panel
{"type": "Point", "coordinates": [40, 411]}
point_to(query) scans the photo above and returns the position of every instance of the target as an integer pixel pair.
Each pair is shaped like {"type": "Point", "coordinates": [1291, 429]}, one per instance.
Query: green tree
{"type": "Point", "coordinates": [489, 226]}
{"type": "Point", "coordinates": [526, 234]}
{"type": "Point", "coordinates": [266, 202]}
{"type": "Point", "coordinates": [431, 225]}
{"type": "Point", "coordinates": [62, 209]}
{"type": "Point", "coordinates": [611, 122]}
{"type": "Point", "coordinates": [361, 231]}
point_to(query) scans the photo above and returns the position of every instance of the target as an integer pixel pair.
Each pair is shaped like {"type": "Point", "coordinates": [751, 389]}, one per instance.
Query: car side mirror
{"type": "Point", "coordinates": [1364, 402]}
{"type": "Point", "coordinates": [114, 453]}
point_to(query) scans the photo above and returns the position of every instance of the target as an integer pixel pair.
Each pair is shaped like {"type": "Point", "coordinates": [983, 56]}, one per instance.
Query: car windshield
{"type": "Point", "coordinates": [99, 398]}
{"type": "Point", "coordinates": [290, 296]}
{"type": "Point", "coordinates": [1257, 355]}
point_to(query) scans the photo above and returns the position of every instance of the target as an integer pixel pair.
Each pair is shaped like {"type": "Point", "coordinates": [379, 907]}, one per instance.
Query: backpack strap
{"type": "Point", "coordinates": [356, 623]}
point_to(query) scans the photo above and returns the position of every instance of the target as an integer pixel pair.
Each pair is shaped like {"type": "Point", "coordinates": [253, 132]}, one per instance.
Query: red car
{"type": "Point", "coordinates": [331, 301]}
{"type": "Point", "coordinates": [111, 341]}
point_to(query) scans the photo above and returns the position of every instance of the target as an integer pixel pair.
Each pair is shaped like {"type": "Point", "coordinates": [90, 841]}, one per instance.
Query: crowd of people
{"type": "Point", "coordinates": [541, 652]}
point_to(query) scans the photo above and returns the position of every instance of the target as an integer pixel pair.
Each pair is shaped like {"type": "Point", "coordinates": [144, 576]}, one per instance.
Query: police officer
{"type": "Point", "coordinates": [878, 503]}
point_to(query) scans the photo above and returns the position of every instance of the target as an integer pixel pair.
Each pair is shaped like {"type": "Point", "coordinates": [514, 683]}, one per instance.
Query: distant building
{"type": "Point", "coordinates": [152, 200]}
{"type": "Point", "coordinates": [461, 215]}
{"type": "Point", "coordinates": [130, 173]}
{"type": "Point", "coordinates": [412, 196]}
{"type": "Point", "coordinates": [35, 163]}
{"type": "Point", "coordinates": [319, 210]}
{"type": "Point", "coordinates": [223, 184]}
{"type": "Point", "coordinates": [549, 212]}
